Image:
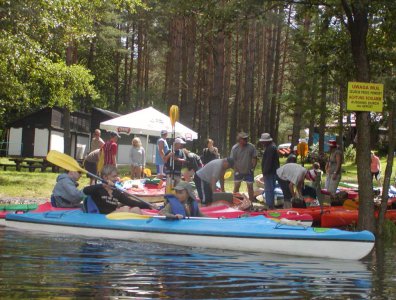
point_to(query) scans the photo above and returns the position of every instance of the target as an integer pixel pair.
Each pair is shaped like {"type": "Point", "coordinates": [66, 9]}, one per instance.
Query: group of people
{"type": "Point", "coordinates": [206, 171]}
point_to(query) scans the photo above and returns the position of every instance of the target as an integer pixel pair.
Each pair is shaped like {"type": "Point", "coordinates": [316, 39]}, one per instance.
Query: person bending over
{"type": "Point", "coordinates": [183, 204]}
{"type": "Point", "coordinates": [108, 199]}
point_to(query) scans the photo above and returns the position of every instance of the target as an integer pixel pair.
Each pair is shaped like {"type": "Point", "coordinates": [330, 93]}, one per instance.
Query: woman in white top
{"type": "Point", "coordinates": [138, 159]}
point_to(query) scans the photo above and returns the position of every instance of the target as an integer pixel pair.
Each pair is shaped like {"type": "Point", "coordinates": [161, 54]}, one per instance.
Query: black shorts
{"type": "Point", "coordinates": [91, 167]}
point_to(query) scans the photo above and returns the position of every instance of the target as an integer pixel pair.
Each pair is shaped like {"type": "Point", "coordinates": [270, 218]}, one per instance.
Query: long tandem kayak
{"type": "Point", "coordinates": [257, 234]}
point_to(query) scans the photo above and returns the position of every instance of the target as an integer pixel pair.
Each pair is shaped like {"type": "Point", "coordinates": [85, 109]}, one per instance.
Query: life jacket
{"type": "Point", "coordinates": [178, 208]}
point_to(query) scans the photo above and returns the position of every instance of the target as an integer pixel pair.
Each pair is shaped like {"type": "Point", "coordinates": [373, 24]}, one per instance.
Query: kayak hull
{"type": "Point", "coordinates": [256, 234]}
{"type": "Point", "coordinates": [341, 218]}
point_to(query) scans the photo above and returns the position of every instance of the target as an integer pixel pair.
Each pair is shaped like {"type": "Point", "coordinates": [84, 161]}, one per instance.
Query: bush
{"type": "Point", "coordinates": [350, 154]}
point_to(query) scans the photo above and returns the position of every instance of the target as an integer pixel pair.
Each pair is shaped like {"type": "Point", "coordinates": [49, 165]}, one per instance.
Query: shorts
{"type": "Point", "coordinates": [375, 174]}
{"type": "Point", "coordinates": [239, 177]}
{"type": "Point", "coordinates": [91, 167]}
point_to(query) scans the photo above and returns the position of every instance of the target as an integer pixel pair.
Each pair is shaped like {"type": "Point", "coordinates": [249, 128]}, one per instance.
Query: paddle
{"type": "Point", "coordinates": [69, 163]}
{"type": "Point", "coordinates": [134, 216]}
{"type": "Point", "coordinates": [174, 116]}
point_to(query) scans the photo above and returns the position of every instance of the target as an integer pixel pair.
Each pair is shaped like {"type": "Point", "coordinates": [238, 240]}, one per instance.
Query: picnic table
{"type": "Point", "coordinates": [32, 164]}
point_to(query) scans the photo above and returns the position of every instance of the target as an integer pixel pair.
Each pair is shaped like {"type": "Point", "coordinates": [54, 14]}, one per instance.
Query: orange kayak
{"type": "Point", "coordinates": [345, 217]}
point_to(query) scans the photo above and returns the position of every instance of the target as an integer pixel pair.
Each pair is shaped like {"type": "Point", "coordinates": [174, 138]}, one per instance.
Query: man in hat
{"type": "Point", "coordinates": [269, 165]}
{"type": "Point", "coordinates": [333, 169]}
{"type": "Point", "coordinates": [174, 161]}
{"type": "Point", "coordinates": [110, 149]}
{"type": "Point", "coordinates": [206, 178]}
{"type": "Point", "coordinates": [161, 149]}
{"type": "Point", "coordinates": [291, 180]}
{"type": "Point", "coordinates": [244, 155]}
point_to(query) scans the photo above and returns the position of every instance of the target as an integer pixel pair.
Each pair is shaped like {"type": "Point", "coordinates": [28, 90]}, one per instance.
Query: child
{"type": "Point", "coordinates": [65, 193]}
{"type": "Point", "coordinates": [183, 204]}
{"type": "Point", "coordinates": [107, 198]}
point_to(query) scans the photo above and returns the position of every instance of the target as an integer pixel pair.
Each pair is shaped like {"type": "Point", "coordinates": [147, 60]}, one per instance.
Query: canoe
{"type": "Point", "coordinates": [256, 234]}
{"type": "Point", "coordinates": [345, 217]}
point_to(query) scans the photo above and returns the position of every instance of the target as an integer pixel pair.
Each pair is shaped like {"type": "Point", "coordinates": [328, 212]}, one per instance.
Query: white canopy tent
{"type": "Point", "coordinates": [148, 122]}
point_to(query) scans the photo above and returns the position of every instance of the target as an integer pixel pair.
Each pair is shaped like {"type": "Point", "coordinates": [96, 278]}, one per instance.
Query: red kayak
{"type": "Point", "coordinates": [345, 217]}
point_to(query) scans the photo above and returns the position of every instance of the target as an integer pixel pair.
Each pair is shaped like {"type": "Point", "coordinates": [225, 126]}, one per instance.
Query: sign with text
{"type": "Point", "coordinates": [364, 96]}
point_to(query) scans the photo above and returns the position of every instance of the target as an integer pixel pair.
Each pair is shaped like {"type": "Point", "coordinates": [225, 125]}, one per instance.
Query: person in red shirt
{"type": "Point", "coordinates": [110, 149]}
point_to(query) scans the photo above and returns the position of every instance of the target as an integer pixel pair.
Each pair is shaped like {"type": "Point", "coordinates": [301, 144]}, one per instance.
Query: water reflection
{"type": "Point", "coordinates": [56, 266]}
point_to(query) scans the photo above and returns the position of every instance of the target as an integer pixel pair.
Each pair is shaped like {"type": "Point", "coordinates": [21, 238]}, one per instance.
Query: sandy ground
{"type": "Point", "coordinates": [20, 200]}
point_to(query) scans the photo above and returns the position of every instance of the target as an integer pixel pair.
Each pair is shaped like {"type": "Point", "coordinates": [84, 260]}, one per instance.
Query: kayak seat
{"type": "Point", "coordinates": [89, 206]}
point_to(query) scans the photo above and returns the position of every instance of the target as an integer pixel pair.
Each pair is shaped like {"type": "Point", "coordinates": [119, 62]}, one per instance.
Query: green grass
{"type": "Point", "coordinates": [40, 184]}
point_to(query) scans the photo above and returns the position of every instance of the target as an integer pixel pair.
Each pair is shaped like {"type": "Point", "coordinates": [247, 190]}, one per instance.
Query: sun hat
{"type": "Point", "coordinates": [242, 135]}
{"type": "Point", "coordinates": [179, 141]}
{"type": "Point", "coordinates": [332, 143]}
{"type": "Point", "coordinates": [184, 185]}
{"type": "Point", "coordinates": [265, 137]}
{"type": "Point", "coordinates": [114, 133]}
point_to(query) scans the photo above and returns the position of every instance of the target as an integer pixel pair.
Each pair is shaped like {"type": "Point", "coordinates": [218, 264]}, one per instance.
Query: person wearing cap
{"type": "Point", "coordinates": [174, 161]}
{"type": "Point", "coordinates": [193, 164]}
{"type": "Point", "coordinates": [333, 169]}
{"type": "Point", "coordinates": [291, 180]}
{"type": "Point", "coordinates": [205, 179]}
{"type": "Point", "coordinates": [244, 155]}
{"type": "Point", "coordinates": [183, 204]}
{"type": "Point", "coordinates": [269, 165]}
{"type": "Point", "coordinates": [110, 149]}
{"type": "Point", "coordinates": [161, 149]}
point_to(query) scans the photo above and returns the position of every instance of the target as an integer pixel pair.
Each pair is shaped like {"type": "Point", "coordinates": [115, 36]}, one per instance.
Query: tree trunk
{"type": "Point", "coordinates": [175, 35]}
{"type": "Point", "coordinates": [357, 25]}
{"type": "Point", "coordinates": [275, 83]}
{"type": "Point", "coordinates": [216, 117]}
{"type": "Point", "coordinates": [234, 115]}
{"type": "Point", "coordinates": [389, 166]}
{"type": "Point", "coordinates": [222, 143]}
{"type": "Point", "coordinates": [268, 76]}
{"type": "Point", "coordinates": [139, 66]}
{"type": "Point", "coordinates": [323, 101]}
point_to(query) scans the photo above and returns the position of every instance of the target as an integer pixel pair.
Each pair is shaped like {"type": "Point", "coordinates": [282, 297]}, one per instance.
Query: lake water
{"type": "Point", "coordinates": [34, 265]}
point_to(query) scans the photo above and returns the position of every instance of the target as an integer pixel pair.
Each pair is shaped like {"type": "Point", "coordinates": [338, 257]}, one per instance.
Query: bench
{"type": "Point", "coordinates": [5, 166]}
{"type": "Point", "coordinates": [32, 168]}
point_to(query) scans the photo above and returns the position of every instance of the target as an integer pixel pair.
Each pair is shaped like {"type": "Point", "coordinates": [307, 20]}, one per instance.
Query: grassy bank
{"type": "Point", "coordinates": [40, 184]}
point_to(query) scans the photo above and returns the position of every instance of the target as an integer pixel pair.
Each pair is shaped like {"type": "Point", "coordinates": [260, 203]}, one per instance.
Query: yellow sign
{"type": "Point", "coordinates": [363, 96]}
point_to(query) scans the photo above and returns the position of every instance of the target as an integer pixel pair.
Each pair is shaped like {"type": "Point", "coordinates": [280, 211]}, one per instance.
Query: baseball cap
{"type": "Point", "coordinates": [164, 131]}
{"type": "Point", "coordinates": [230, 161]}
{"type": "Point", "coordinates": [114, 133]}
{"type": "Point", "coordinates": [179, 141]}
{"type": "Point", "coordinates": [184, 185]}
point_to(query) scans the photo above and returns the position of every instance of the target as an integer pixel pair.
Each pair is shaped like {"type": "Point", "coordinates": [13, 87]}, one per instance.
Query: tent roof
{"type": "Point", "coordinates": [148, 121]}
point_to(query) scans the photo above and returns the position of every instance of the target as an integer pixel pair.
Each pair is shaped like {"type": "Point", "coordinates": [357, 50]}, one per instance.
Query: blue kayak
{"type": "Point", "coordinates": [257, 234]}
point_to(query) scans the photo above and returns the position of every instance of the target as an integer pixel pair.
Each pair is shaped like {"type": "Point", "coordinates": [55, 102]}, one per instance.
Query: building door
{"type": "Point", "coordinates": [27, 142]}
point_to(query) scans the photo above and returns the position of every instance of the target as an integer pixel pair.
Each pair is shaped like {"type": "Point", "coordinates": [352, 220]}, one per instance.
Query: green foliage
{"type": "Point", "coordinates": [389, 230]}
{"type": "Point", "coordinates": [350, 154]}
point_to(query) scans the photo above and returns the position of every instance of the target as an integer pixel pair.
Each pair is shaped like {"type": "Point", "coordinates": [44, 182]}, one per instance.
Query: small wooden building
{"type": "Point", "coordinates": [37, 133]}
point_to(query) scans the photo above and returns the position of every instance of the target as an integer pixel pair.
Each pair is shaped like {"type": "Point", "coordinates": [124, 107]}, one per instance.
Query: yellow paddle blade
{"type": "Point", "coordinates": [351, 204]}
{"type": "Point", "coordinates": [227, 174]}
{"type": "Point", "coordinates": [100, 164]}
{"type": "Point", "coordinates": [64, 161]}
{"type": "Point", "coordinates": [147, 172]}
{"type": "Point", "coordinates": [174, 114]}
{"type": "Point", "coordinates": [126, 216]}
